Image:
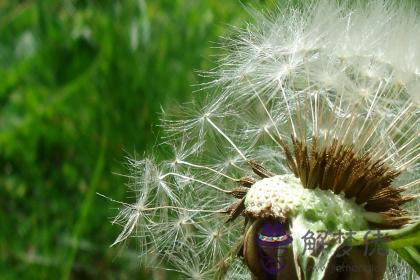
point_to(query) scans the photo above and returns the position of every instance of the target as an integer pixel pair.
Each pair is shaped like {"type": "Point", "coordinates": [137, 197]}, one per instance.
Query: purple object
{"type": "Point", "coordinates": [273, 234]}
{"type": "Point", "coordinates": [272, 241]}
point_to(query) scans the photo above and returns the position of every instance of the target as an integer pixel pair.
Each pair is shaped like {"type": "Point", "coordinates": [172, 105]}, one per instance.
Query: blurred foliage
{"type": "Point", "coordinates": [81, 83]}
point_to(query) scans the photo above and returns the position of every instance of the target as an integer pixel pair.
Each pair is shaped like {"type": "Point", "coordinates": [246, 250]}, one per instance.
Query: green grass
{"type": "Point", "coordinates": [81, 83]}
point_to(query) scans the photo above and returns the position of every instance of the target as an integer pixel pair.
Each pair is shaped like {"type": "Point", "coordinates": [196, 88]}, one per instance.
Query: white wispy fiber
{"type": "Point", "coordinates": [333, 72]}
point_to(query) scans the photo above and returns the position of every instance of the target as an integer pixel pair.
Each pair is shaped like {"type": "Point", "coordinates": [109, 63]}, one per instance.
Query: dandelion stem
{"type": "Point", "coordinates": [193, 179]}
{"type": "Point", "coordinates": [266, 111]}
{"type": "Point", "coordinates": [113, 200]}
{"type": "Point", "coordinates": [207, 168]}
{"type": "Point", "coordinates": [288, 110]}
{"type": "Point", "coordinates": [411, 184]}
{"type": "Point", "coordinates": [226, 137]}
{"type": "Point", "coordinates": [178, 208]}
{"type": "Point", "coordinates": [236, 166]}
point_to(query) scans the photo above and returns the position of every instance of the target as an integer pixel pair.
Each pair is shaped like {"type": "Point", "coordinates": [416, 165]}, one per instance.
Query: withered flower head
{"type": "Point", "coordinates": [312, 124]}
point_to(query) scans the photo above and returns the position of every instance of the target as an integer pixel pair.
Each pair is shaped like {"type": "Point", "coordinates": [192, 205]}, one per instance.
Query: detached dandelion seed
{"type": "Point", "coordinates": [313, 124]}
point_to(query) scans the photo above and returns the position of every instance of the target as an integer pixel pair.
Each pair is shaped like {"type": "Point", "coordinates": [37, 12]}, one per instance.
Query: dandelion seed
{"type": "Point", "coordinates": [313, 125]}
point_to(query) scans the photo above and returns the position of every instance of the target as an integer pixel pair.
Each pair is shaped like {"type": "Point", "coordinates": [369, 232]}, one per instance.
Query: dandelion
{"type": "Point", "coordinates": [311, 124]}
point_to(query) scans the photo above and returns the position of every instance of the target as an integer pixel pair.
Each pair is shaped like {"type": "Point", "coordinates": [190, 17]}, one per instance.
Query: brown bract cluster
{"type": "Point", "coordinates": [366, 180]}
{"type": "Point", "coordinates": [337, 168]}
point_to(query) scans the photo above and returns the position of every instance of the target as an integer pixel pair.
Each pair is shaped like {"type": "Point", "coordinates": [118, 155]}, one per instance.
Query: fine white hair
{"type": "Point", "coordinates": [344, 71]}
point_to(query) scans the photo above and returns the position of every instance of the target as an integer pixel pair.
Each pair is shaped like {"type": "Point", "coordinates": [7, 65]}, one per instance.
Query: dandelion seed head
{"type": "Point", "coordinates": [283, 196]}
{"type": "Point", "coordinates": [313, 113]}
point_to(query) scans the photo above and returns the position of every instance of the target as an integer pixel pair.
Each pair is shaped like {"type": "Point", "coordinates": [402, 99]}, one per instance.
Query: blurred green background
{"type": "Point", "coordinates": [81, 85]}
